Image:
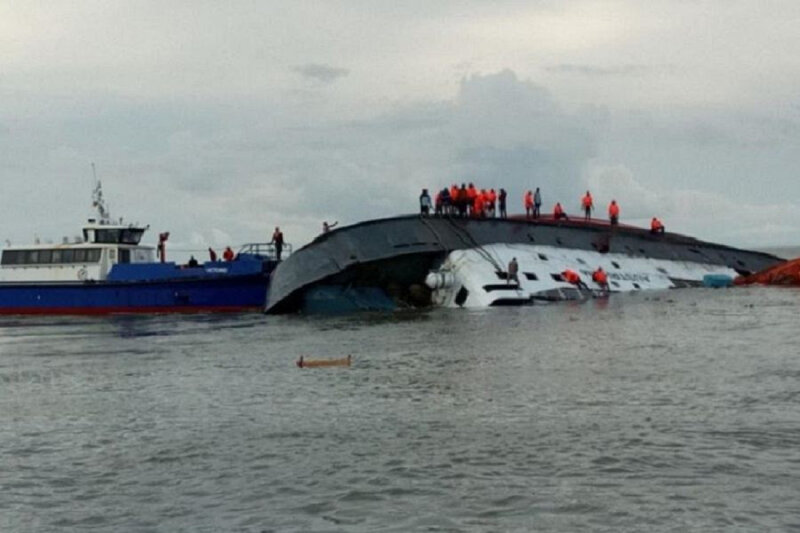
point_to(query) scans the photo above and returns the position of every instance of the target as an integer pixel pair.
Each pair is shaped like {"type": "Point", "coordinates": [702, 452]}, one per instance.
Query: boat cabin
{"type": "Point", "coordinates": [91, 258]}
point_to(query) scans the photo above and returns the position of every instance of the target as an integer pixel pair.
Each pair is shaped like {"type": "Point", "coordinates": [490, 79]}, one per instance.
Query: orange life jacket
{"type": "Point", "coordinates": [613, 210]}
{"type": "Point", "coordinates": [557, 211]}
{"type": "Point", "coordinates": [528, 200]}
{"type": "Point", "coordinates": [600, 277]}
{"type": "Point", "coordinates": [587, 201]}
{"type": "Point", "coordinates": [477, 203]}
{"type": "Point", "coordinates": [655, 225]}
{"type": "Point", "coordinates": [472, 192]}
{"type": "Point", "coordinates": [571, 276]}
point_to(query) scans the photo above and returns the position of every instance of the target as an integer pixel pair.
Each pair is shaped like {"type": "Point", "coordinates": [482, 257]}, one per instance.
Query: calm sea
{"type": "Point", "coordinates": [673, 411]}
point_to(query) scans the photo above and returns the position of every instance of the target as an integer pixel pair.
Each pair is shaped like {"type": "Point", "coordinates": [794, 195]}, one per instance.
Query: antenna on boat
{"type": "Point", "coordinates": [97, 199]}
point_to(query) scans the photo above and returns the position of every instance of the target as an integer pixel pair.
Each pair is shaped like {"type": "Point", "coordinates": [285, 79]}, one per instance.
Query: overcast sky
{"type": "Point", "coordinates": [218, 121]}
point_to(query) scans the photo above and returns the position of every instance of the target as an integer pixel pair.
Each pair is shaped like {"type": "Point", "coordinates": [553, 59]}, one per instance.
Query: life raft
{"type": "Point", "coordinates": [787, 273]}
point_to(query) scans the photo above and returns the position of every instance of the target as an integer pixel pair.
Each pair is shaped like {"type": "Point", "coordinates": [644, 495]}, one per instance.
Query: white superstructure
{"type": "Point", "coordinates": [476, 277]}
{"type": "Point", "coordinates": [90, 257]}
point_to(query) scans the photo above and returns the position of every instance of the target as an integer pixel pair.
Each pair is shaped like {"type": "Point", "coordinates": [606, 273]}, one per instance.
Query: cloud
{"type": "Point", "coordinates": [321, 73]}
{"type": "Point", "coordinates": [702, 214]}
{"type": "Point", "coordinates": [591, 70]}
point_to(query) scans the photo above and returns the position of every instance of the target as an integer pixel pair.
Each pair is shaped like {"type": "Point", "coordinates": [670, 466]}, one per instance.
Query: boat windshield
{"type": "Point", "coordinates": [118, 235]}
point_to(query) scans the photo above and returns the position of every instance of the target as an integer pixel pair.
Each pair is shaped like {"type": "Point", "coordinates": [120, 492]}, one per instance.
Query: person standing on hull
{"type": "Point", "coordinates": [445, 198]}
{"type": "Point", "coordinates": [478, 206]}
{"type": "Point", "coordinates": [491, 202]}
{"type": "Point", "coordinates": [537, 203]}
{"type": "Point", "coordinates": [454, 191]}
{"type": "Point", "coordinates": [424, 203]}
{"type": "Point", "coordinates": [212, 255]}
{"type": "Point", "coordinates": [228, 255]}
{"type": "Point", "coordinates": [501, 199]}
{"type": "Point", "coordinates": [463, 199]}
{"type": "Point", "coordinates": [472, 193]}
{"type": "Point", "coordinates": [327, 227]}
{"type": "Point", "coordinates": [528, 201]}
{"type": "Point", "coordinates": [613, 212]}
{"type": "Point", "coordinates": [587, 205]}
{"type": "Point", "coordinates": [277, 240]}
{"type": "Point", "coordinates": [513, 271]}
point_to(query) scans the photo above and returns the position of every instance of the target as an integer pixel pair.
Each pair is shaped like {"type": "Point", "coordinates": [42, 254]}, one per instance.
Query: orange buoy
{"type": "Point", "coordinates": [314, 363]}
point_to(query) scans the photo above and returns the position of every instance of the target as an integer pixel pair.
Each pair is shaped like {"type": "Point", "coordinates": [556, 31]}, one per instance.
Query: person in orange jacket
{"type": "Point", "coordinates": [472, 193]}
{"type": "Point", "coordinates": [656, 226]}
{"type": "Point", "coordinates": [588, 204]}
{"type": "Point", "coordinates": [613, 212]}
{"type": "Point", "coordinates": [227, 255]}
{"type": "Point", "coordinates": [491, 202]}
{"type": "Point", "coordinates": [558, 212]}
{"type": "Point", "coordinates": [600, 277]}
{"type": "Point", "coordinates": [478, 204]}
{"type": "Point", "coordinates": [573, 278]}
{"type": "Point", "coordinates": [454, 200]}
{"type": "Point", "coordinates": [528, 201]}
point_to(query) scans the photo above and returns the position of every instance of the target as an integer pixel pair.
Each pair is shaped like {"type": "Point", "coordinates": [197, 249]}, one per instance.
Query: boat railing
{"type": "Point", "coordinates": [265, 250]}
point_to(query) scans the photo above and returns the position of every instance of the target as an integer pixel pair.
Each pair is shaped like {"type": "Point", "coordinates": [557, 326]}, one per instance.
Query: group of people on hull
{"type": "Point", "coordinates": [467, 201]}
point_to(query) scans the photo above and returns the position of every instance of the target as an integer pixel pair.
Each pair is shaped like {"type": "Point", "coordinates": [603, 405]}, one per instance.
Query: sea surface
{"type": "Point", "coordinates": [661, 411]}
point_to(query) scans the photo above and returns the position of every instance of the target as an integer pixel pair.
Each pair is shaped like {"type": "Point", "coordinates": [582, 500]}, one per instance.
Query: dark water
{"type": "Point", "coordinates": [668, 411]}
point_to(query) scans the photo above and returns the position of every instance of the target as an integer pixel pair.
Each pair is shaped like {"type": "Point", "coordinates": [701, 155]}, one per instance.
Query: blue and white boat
{"type": "Point", "coordinates": [108, 271]}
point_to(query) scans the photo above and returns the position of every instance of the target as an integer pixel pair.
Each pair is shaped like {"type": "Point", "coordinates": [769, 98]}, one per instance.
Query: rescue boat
{"type": "Point", "coordinates": [107, 270]}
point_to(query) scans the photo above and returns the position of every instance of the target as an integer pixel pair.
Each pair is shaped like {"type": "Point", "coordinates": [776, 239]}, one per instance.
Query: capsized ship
{"type": "Point", "coordinates": [108, 271]}
{"type": "Point", "coordinates": [462, 262]}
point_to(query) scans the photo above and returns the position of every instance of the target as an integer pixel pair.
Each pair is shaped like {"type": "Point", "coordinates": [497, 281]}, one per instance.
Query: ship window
{"type": "Point", "coordinates": [32, 257]}
{"type": "Point", "coordinates": [107, 235]}
{"type": "Point", "coordinates": [556, 277]}
{"type": "Point", "coordinates": [543, 257]}
{"type": "Point", "coordinates": [124, 256]}
{"type": "Point", "coordinates": [11, 257]}
{"type": "Point", "coordinates": [461, 296]}
{"type": "Point", "coordinates": [45, 256]}
{"type": "Point", "coordinates": [131, 236]}
{"type": "Point", "coordinates": [636, 286]}
{"type": "Point", "coordinates": [662, 270]}
{"type": "Point", "coordinates": [93, 255]}
{"type": "Point", "coordinates": [614, 283]}
{"type": "Point", "coordinates": [616, 265]}
{"type": "Point", "coordinates": [531, 276]}
{"type": "Point", "coordinates": [66, 256]}
{"type": "Point", "coordinates": [579, 260]}
{"type": "Point", "coordinates": [56, 256]}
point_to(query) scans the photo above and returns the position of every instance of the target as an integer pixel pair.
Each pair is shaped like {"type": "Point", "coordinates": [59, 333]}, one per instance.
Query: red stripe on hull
{"type": "Point", "coordinates": [155, 310]}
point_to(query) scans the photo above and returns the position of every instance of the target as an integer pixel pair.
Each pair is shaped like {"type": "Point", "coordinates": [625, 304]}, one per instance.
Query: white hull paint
{"type": "Point", "coordinates": [475, 271]}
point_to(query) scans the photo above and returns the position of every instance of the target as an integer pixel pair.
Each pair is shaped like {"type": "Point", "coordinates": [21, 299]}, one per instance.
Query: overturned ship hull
{"type": "Point", "coordinates": [458, 262]}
